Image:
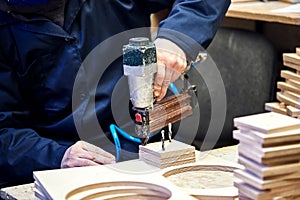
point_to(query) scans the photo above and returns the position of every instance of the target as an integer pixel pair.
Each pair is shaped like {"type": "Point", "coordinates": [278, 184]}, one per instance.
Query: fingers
{"type": "Point", "coordinates": [99, 155]}
{"type": "Point", "coordinates": [85, 154]}
{"type": "Point", "coordinates": [171, 63]}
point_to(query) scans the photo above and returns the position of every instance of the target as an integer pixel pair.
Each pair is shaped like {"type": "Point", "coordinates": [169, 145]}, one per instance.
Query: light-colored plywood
{"type": "Point", "coordinates": [293, 83]}
{"type": "Point", "coordinates": [264, 171]}
{"type": "Point", "coordinates": [260, 184]}
{"type": "Point", "coordinates": [291, 65]}
{"type": "Point", "coordinates": [291, 95]}
{"type": "Point", "coordinates": [271, 161]}
{"type": "Point", "coordinates": [263, 11]}
{"type": "Point", "coordinates": [291, 1]}
{"type": "Point", "coordinates": [246, 191]}
{"type": "Point", "coordinates": [272, 152]}
{"type": "Point", "coordinates": [286, 87]}
{"type": "Point", "coordinates": [173, 148]}
{"type": "Point", "coordinates": [281, 97]}
{"type": "Point", "coordinates": [291, 58]}
{"type": "Point", "coordinates": [105, 181]}
{"type": "Point", "coordinates": [267, 122]}
{"type": "Point", "coordinates": [275, 107]}
{"type": "Point", "coordinates": [226, 156]}
{"type": "Point", "coordinates": [77, 183]}
{"type": "Point", "coordinates": [290, 75]}
{"type": "Point", "coordinates": [167, 162]}
{"type": "Point", "coordinates": [175, 153]}
{"type": "Point", "coordinates": [292, 111]}
{"type": "Point", "coordinates": [247, 139]}
{"type": "Point", "coordinates": [298, 51]}
{"type": "Point", "coordinates": [251, 153]}
{"type": "Point", "coordinates": [287, 137]}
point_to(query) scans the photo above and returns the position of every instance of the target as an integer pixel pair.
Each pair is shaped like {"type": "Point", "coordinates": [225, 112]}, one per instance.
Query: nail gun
{"type": "Point", "coordinates": [139, 64]}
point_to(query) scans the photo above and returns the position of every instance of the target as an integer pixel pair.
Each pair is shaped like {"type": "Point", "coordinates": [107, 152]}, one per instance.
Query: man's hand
{"type": "Point", "coordinates": [171, 63]}
{"type": "Point", "coordinates": [85, 154]}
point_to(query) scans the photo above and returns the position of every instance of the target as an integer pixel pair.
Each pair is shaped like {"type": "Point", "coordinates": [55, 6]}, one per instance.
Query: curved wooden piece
{"type": "Point", "coordinates": [120, 190]}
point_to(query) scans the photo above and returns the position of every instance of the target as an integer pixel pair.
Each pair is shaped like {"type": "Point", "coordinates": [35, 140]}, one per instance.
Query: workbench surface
{"type": "Point", "coordinates": [225, 155]}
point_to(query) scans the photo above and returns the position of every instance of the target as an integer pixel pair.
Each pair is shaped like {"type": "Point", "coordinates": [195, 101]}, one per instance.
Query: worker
{"type": "Point", "coordinates": [42, 47]}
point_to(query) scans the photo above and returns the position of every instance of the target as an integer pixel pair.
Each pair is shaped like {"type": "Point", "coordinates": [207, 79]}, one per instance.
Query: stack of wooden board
{"type": "Point", "coordinates": [175, 153]}
{"type": "Point", "coordinates": [171, 109]}
{"type": "Point", "coordinates": [289, 96]}
{"type": "Point", "coordinates": [269, 149]}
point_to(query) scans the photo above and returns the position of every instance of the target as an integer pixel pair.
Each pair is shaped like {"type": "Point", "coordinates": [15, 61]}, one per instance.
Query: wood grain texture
{"type": "Point", "coordinates": [175, 153]}
{"type": "Point", "coordinates": [290, 75]}
{"type": "Point", "coordinates": [287, 100]}
{"type": "Point", "coordinates": [267, 122]}
{"type": "Point", "coordinates": [169, 110]}
{"type": "Point", "coordinates": [246, 191]}
{"type": "Point", "coordinates": [264, 171]}
{"type": "Point", "coordinates": [84, 182]}
{"type": "Point", "coordinates": [291, 95]}
{"type": "Point", "coordinates": [284, 154]}
{"type": "Point", "coordinates": [271, 159]}
{"type": "Point", "coordinates": [275, 107]}
{"type": "Point", "coordinates": [208, 172]}
{"type": "Point", "coordinates": [263, 11]}
{"type": "Point", "coordinates": [287, 87]}
{"type": "Point", "coordinates": [275, 139]}
{"type": "Point", "coordinates": [291, 65]}
{"type": "Point", "coordinates": [291, 58]}
{"type": "Point", "coordinates": [249, 178]}
{"type": "Point", "coordinates": [292, 111]}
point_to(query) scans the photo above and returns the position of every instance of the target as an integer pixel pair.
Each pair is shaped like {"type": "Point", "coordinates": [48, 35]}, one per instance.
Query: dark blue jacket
{"type": "Point", "coordinates": [40, 60]}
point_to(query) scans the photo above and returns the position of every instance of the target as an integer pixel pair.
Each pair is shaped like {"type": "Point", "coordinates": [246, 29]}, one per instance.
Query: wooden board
{"type": "Point", "coordinates": [286, 87]}
{"type": "Point", "coordinates": [298, 51]}
{"type": "Point", "coordinates": [267, 123]}
{"type": "Point", "coordinates": [249, 178]}
{"type": "Point", "coordinates": [291, 65]}
{"type": "Point", "coordinates": [293, 83]}
{"type": "Point", "coordinates": [247, 139]}
{"type": "Point", "coordinates": [271, 152]}
{"type": "Point", "coordinates": [175, 153]}
{"type": "Point", "coordinates": [96, 181]}
{"type": "Point", "coordinates": [204, 182]}
{"type": "Point", "coordinates": [275, 107]}
{"type": "Point", "coordinates": [77, 183]}
{"type": "Point", "coordinates": [246, 191]}
{"type": "Point", "coordinates": [292, 111]}
{"type": "Point", "coordinates": [291, 95]}
{"type": "Point", "coordinates": [168, 162]}
{"type": "Point", "coordinates": [281, 97]}
{"type": "Point", "coordinates": [169, 110]}
{"type": "Point", "coordinates": [287, 137]}
{"type": "Point", "coordinates": [291, 58]}
{"type": "Point", "coordinates": [290, 75]}
{"type": "Point", "coordinates": [264, 171]}
{"type": "Point", "coordinates": [291, 99]}
{"type": "Point", "coordinates": [291, 1]}
{"type": "Point", "coordinates": [263, 12]}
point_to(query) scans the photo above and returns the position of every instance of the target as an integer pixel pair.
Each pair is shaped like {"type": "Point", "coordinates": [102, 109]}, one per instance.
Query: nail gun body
{"type": "Point", "coordinates": [139, 63]}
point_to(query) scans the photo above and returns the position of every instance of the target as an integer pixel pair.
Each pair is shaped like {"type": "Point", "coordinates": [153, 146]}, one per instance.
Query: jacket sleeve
{"type": "Point", "coordinates": [193, 22]}
{"type": "Point", "coordinates": [22, 150]}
